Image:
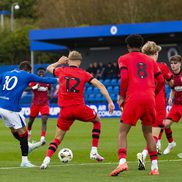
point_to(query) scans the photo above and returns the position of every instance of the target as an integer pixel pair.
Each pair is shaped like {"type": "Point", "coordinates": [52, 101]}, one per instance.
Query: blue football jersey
{"type": "Point", "coordinates": [12, 85]}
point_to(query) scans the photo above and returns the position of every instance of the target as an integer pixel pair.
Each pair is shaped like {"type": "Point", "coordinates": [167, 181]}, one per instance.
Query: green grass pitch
{"type": "Point", "coordinates": [81, 168]}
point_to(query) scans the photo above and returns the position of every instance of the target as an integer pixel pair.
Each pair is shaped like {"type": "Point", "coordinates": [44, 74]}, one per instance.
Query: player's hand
{"type": "Point", "coordinates": [111, 107]}
{"type": "Point", "coordinates": [35, 87]}
{"type": "Point", "coordinates": [63, 60]}
{"type": "Point", "coordinates": [170, 101]}
{"type": "Point", "coordinates": [120, 101]}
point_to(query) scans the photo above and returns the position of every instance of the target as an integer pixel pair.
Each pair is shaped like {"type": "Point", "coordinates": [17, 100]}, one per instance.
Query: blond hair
{"type": "Point", "coordinates": [151, 48]}
{"type": "Point", "coordinates": [75, 55]}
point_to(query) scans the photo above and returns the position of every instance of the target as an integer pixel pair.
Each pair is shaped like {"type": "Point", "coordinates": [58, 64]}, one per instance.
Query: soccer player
{"type": "Point", "coordinates": [137, 92]}
{"type": "Point", "coordinates": [175, 112]}
{"type": "Point", "coordinates": [152, 49]}
{"type": "Point", "coordinates": [40, 104]}
{"type": "Point", "coordinates": [71, 100]}
{"type": "Point", "coordinates": [12, 85]}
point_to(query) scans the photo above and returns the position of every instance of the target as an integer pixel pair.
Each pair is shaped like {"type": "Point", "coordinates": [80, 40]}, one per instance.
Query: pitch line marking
{"type": "Point", "coordinates": [84, 164]}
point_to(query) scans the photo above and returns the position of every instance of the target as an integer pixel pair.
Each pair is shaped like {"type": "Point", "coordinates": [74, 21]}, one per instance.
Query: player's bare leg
{"type": "Point", "coordinates": [122, 145]}
{"type": "Point", "coordinates": [43, 129]}
{"type": "Point", "coordinates": [94, 155]}
{"type": "Point", "coordinates": [30, 123]}
{"type": "Point", "coordinates": [53, 147]}
{"type": "Point", "coordinates": [147, 131]}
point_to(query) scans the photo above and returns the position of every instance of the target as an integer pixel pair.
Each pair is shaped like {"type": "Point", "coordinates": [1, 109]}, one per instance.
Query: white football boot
{"type": "Point", "coordinates": [141, 161]}
{"type": "Point", "coordinates": [26, 164]}
{"type": "Point", "coordinates": [169, 147]}
{"type": "Point", "coordinates": [96, 156]}
{"type": "Point", "coordinates": [45, 163]}
{"type": "Point", "coordinates": [33, 146]}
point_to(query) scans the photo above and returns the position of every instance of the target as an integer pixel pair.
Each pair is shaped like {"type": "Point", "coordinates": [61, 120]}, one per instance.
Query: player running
{"type": "Point", "coordinates": [175, 112]}
{"type": "Point", "coordinates": [12, 85]}
{"type": "Point", "coordinates": [137, 89]}
{"type": "Point", "coordinates": [40, 104]}
{"type": "Point", "coordinates": [152, 49]}
{"type": "Point", "coordinates": [71, 101]}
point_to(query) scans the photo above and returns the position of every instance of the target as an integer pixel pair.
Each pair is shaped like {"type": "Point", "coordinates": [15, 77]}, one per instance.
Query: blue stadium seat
{"type": "Point", "coordinates": [110, 89]}
{"type": "Point", "coordinates": [118, 81]}
{"type": "Point", "coordinates": [114, 82]}
{"type": "Point", "coordinates": [107, 82]}
{"type": "Point", "coordinates": [27, 99]}
{"type": "Point", "coordinates": [89, 90]}
{"type": "Point", "coordinates": [116, 90]}
{"type": "Point", "coordinates": [113, 96]}
{"type": "Point", "coordinates": [98, 97]}
{"type": "Point", "coordinates": [96, 90]}
{"type": "Point", "coordinates": [91, 97]}
{"type": "Point", "coordinates": [101, 80]}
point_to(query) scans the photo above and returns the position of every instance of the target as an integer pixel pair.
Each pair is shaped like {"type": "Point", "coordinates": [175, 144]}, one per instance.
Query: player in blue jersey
{"type": "Point", "coordinates": [12, 85]}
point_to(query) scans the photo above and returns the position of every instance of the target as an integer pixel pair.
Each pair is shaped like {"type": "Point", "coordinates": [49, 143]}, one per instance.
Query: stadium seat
{"type": "Point", "coordinates": [101, 80]}
{"type": "Point", "coordinates": [107, 82]}
{"type": "Point", "coordinates": [89, 90]}
{"type": "Point", "coordinates": [114, 82]}
{"type": "Point", "coordinates": [110, 89]}
{"type": "Point", "coordinates": [27, 99]}
{"type": "Point", "coordinates": [96, 90]}
{"type": "Point", "coordinates": [118, 81]}
{"type": "Point", "coordinates": [91, 97]}
{"type": "Point", "coordinates": [98, 97]}
{"type": "Point", "coordinates": [113, 96]}
{"type": "Point", "coordinates": [116, 90]}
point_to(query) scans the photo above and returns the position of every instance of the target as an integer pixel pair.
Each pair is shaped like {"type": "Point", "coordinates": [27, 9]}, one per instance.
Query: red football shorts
{"type": "Point", "coordinates": [69, 114]}
{"type": "Point", "coordinates": [140, 108]}
{"type": "Point", "coordinates": [175, 113]}
{"type": "Point", "coordinates": [34, 110]}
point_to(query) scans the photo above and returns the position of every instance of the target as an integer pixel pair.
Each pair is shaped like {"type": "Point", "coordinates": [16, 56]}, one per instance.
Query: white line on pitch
{"type": "Point", "coordinates": [85, 164]}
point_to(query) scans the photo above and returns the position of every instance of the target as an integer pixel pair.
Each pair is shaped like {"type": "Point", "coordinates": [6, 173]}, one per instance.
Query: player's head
{"type": "Point", "coordinates": [134, 42]}
{"type": "Point", "coordinates": [150, 48]}
{"type": "Point", "coordinates": [75, 58]}
{"type": "Point", "coordinates": [175, 62]}
{"type": "Point", "coordinates": [25, 65]}
{"type": "Point", "coordinates": [41, 71]}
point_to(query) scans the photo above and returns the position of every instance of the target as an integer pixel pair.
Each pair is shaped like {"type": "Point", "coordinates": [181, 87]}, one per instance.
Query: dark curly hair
{"type": "Point", "coordinates": [134, 41]}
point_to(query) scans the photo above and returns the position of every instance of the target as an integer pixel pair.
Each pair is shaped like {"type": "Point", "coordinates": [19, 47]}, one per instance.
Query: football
{"type": "Point", "coordinates": [65, 155]}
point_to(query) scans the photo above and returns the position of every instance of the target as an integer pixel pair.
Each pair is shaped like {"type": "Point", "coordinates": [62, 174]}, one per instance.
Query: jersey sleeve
{"type": "Point", "coordinates": [123, 82]}
{"type": "Point", "coordinates": [122, 63]}
{"type": "Point", "coordinates": [88, 77]}
{"type": "Point", "coordinates": [166, 72]}
{"type": "Point", "coordinates": [35, 78]}
{"type": "Point", "coordinates": [31, 84]}
{"type": "Point", "coordinates": [157, 70]}
{"type": "Point", "coordinates": [57, 71]}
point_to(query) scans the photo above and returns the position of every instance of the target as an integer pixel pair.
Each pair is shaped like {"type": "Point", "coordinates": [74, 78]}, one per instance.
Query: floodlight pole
{"type": "Point", "coordinates": [13, 6]}
{"type": "Point", "coordinates": [32, 60]}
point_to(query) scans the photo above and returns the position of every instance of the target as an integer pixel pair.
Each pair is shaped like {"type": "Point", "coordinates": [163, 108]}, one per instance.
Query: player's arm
{"type": "Point", "coordinates": [159, 78]}
{"type": "Point", "coordinates": [123, 85]}
{"type": "Point", "coordinates": [167, 75]}
{"type": "Point", "coordinates": [159, 82]}
{"type": "Point", "coordinates": [170, 101]}
{"type": "Point", "coordinates": [52, 67]}
{"type": "Point", "coordinates": [35, 78]}
{"type": "Point", "coordinates": [104, 91]}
